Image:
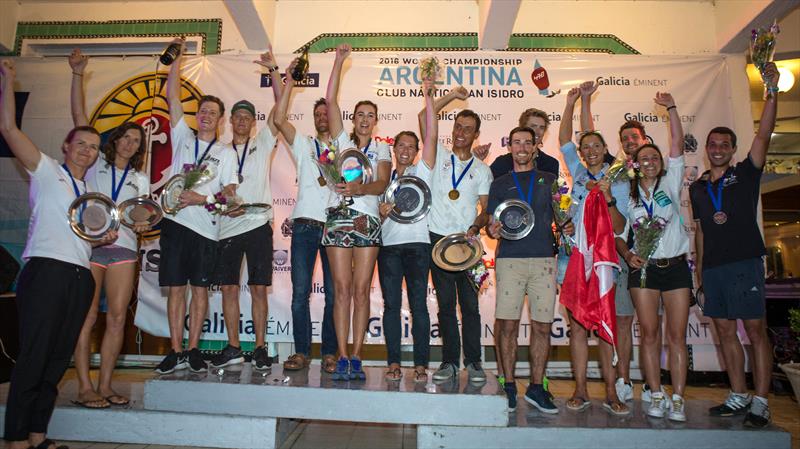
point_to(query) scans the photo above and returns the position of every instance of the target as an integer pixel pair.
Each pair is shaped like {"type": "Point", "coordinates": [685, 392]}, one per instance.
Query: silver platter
{"type": "Point", "coordinates": [457, 252]}
{"type": "Point", "coordinates": [254, 208]}
{"type": "Point", "coordinates": [353, 165]}
{"type": "Point", "coordinates": [411, 199]}
{"type": "Point", "coordinates": [170, 194]}
{"type": "Point", "coordinates": [92, 215]}
{"type": "Point", "coordinates": [139, 211]}
{"type": "Point", "coordinates": [516, 219]}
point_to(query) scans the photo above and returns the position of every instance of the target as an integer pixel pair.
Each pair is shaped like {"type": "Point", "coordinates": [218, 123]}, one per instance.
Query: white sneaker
{"type": "Point", "coordinates": [676, 409]}
{"type": "Point", "coordinates": [645, 393]}
{"type": "Point", "coordinates": [624, 390]}
{"type": "Point", "coordinates": [658, 405]}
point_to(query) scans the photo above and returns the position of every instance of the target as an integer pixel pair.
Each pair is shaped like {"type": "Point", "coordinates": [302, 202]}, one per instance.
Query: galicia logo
{"type": "Point", "coordinates": [613, 81]}
{"type": "Point", "coordinates": [641, 117]}
{"type": "Point", "coordinates": [286, 228]}
{"type": "Point", "coordinates": [280, 261]}
{"type": "Point", "coordinates": [311, 80]}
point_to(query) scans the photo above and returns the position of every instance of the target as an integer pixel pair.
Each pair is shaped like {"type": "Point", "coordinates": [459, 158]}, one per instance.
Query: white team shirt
{"type": "Point", "coordinates": [255, 188]}
{"type": "Point", "coordinates": [312, 198]}
{"type": "Point", "coordinates": [99, 179]}
{"type": "Point", "coordinates": [448, 216]}
{"type": "Point", "coordinates": [666, 204]}
{"type": "Point", "coordinates": [377, 152]}
{"type": "Point", "coordinates": [49, 232]}
{"type": "Point", "coordinates": [394, 233]}
{"type": "Point", "coordinates": [197, 218]}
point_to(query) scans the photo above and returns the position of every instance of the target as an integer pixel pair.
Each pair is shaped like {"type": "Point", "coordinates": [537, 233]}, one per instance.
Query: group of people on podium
{"type": "Point", "coordinates": [59, 287]}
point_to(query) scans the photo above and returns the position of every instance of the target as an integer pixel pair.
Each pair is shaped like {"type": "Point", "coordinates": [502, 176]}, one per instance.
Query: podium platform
{"type": "Point", "coordinates": [241, 408]}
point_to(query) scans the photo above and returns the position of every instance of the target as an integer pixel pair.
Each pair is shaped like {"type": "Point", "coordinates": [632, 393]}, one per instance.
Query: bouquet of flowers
{"type": "Point", "coordinates": [220, 204]}
{"type": "Point", "coordinates": [762, 51]}
{"type": "Point", "coordinates": [478, 273]}
{"type": "Point", "coordinates": [647, 233]}
{"type": "Point", "coordinates": [430, 68]}
{"type": "Point", "coordinates": [623, 169]}
{"type": "Point", "coordinates": [197, 175]}
{"type": "Point", "coordinates": [326, 162]}
{"type": "Point", "coordinates": [562, 210]}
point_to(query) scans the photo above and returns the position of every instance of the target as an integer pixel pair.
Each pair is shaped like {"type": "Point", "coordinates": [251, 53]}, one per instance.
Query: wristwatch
{"type": "Point", "coordinates": [613, 202]}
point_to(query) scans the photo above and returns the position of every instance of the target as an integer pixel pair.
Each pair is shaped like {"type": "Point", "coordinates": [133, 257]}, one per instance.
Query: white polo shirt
{"type": "Point", "coordinates": [394, 233]}
{"type": "Point", "coordinates": [197, 218]}
{"type": "Point", "coordinates": [666, 204]}
{"type": "Point", "coordinates": [255, 187]}
{"type": "Point", "coordinates": [450, 216]}
{"type": "Point", "coordinates": [312, 198]}
{"type": "Point", "coordinates": [49, 232]}
{"type": "Point", "coordinates": [376, 152]}
{"type": "Point", "coordinates": [100, 178]}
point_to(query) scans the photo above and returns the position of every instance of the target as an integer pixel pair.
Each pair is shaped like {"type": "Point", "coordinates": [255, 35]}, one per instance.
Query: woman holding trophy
{"type": "Point", "coordinates": [54, 289]}
{"type": "Point", "coordinates": [117, 174]}
{"type": "Point", "coordinates": [352, 231]}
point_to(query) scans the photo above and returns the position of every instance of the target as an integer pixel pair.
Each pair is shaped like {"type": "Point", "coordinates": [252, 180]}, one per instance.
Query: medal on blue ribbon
{"type": "Point", "coordinates": [719, 216]}
{"type": "Point", "coordinates": [241, 161]}
{"type": "Point", "coordinates": [454, 193]}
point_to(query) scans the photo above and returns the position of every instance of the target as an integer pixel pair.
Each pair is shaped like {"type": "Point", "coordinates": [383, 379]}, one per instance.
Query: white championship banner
{"type": "Point", "coordinates": [501, 85]}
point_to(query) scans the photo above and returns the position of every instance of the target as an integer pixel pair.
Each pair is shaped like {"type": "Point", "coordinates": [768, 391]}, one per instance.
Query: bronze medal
{"type": "Point", "coordinates": [720, 217]}
{"type": "Point", "coordinates": [321, 181]}
{"type": "Point", "coordinates": [453, 194]}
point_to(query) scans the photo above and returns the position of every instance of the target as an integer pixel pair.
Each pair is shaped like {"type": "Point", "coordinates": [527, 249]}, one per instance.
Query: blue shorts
{"type": "Point", "coordinates": [735, 290]}
{"type": "Point", "coordinates": [108, 255]}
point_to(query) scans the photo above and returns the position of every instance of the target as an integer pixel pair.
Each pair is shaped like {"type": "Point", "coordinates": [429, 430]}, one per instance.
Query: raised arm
{"type": "Point", "coordinates": [335, 124]}
{"type": "Point", "coordinates": [174, 86]}
{"type": "Point", "coordinates": [588, 88]}
{"type": "Point", "coordinates": [675, 127]}
{"type": "Point", "coordinates": [459, 93]}
{"type": "Point", "coordinates": [268, 61]}
{"type": "Point", "coordinates": [282, 106]}
{"type": "Point", "coordinates": [758, 150]}
{"type": "Point", "coordinates": [22, 147]}
{"type": "Point", "coordinates": [77, 100]}
{"type": "Point", "coordinates": [432, 124]}
{"type": "Point", "coordinates": [565, 128]}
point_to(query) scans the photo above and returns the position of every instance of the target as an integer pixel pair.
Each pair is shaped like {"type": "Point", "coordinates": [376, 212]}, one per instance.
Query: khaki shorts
{"type": "Point", "coordinates": [535, 277]}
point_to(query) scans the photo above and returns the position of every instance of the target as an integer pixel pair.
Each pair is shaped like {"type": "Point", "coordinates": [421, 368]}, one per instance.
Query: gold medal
{"type": "Point", "coordinates": [453, 194]}
{"type": "Point", "coordinates": [321, 181]}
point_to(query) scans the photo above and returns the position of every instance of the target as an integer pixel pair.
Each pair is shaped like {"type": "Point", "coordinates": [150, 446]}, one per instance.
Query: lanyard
{"type": "Point", "coordinates": [197, 149]}
{"type": "Point", "coordinates": [716, 200]}
{"type": "Point", "coordinates": [466, 169]}
{"type": "Point", "coordinates": [366, 148]}
{"type": "Point", "coordinates": [244, 154]}
{"type": "Point", "coordinates": [117, 188]}
{"type": "Point", "coordinates": [648, 207]}
{"type": "Point", "coordinates": [394, 175]}
{"type": "Point", "coordinates": [74, 184]}
{"type": "Point", "coordinates": [593, 177]}
{"type": "Point", "coordinates": [529, 198]}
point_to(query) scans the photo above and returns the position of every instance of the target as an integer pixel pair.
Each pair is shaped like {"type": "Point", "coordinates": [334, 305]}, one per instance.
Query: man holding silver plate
{"type": "Point", "coordinates": [248, 230]}
{"type": "Point", "coordinates": [522, 218]}
{"type": "Point", "coordinates": [189, 237]}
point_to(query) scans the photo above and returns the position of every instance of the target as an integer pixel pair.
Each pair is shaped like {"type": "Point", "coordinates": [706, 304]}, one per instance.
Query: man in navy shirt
{"type": "Point", "coordinates": [537, 120]}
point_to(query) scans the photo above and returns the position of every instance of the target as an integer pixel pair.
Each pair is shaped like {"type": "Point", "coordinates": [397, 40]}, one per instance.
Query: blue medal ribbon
{"type": "Point", "coordinates": [366, 148]}
{"type": "Point", "coordinates": [529, 198]}
{"type": "Point", "coordinates": [74, 184]}
{"type": "Point", "coordinates": [466, 169]}
{"type": "Point", "coordinates": [716, 200]}
{"type": "Point", "coordinates": [244, 154]}
{"type": "Point", "coordinates": [648, 207]}
{"type": "Point", "coordinates": [197, 150]}
{"type": "Point", "coordinates": [117, 188]}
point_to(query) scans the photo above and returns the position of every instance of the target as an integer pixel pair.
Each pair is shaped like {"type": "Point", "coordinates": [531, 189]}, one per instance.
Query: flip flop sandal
{"type": "Point", "coordinates": [296, 362]}
{"type": "Point", "coordinates": [118, 400]}
{"type": "Point", "coordinates": [104, 403]}
{"type": "Point", "coordinates": [420, 376]}
{"type": "Point", "coordinates": [575, 406]}
{"type": "Point", "coordinates": [47, 443]}
{"type": "Point", "coordinates": [393, 375]}
{"type": "Point", "coordinates": [329, 364]}
{"type": "Point", "coordinates": [616, 408]}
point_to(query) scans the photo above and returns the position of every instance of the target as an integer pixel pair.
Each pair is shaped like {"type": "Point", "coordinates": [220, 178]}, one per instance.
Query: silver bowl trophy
{"type": "Point", "coordinates": [139, 211]}
{"type": "Point", "coordinates": [194, 177]}
{"type": "Point", "coordinates": [92, 215]}
{"type": "Point", "coordinates": [457, 252]}
{"type": "Point", "coordinates": [516, 219]}
{"type": "Point", "coordinates": [410, 197]}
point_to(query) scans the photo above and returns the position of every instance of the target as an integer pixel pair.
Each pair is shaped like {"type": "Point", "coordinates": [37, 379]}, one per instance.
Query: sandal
{"type": "Point", "coordinates": [94, 404]}
{"type": "Point", "coordinates": [420, 375]}
{"type": "Point", "coordinates": [616, 408]}
{"type": "Point", "coordinates": [47, 443]}
{"type": "Point", "coordinates": [296, 362]}
{"type": "Point", "coordinates": [329, 363]}
{"type": "Point", "coordinates": [393, 374]}
{"type": "Point", "coordinates": [578, 404]}
{"type": "Point", "coordinates": [118, 399]}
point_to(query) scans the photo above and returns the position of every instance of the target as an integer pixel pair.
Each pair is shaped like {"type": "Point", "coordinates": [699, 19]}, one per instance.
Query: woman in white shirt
{"type": "Point", "coordinates": [352, 235]}
{"type": "Point", "coordinates": [117, 174]}
{"type": "Point", "coordinates": [54, 289]}
{"type": "Point", "coordinates": [655, 192]}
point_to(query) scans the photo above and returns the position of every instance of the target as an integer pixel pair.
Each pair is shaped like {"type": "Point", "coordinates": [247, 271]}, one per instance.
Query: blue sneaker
{"type": "Point", "coordinates": [356, 372]}
{"type": "Point", "coordinates": [342, 369]}
{"type": "Point", "coordinates": [511, 393]}
{"type": "Point", "coordinates": [539, 398]}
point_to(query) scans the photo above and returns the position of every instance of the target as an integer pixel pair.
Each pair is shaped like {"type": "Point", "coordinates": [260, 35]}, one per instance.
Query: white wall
{"type": "Point", "coordinates": [8, 25]}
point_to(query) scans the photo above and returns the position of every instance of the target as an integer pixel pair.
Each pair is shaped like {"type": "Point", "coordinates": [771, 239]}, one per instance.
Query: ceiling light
{"type": "Point", "coordinates": [786, 81]}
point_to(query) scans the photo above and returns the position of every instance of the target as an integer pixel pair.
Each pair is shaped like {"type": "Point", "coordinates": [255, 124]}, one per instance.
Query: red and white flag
{"type": "Point", "coordinates": [588, 289]}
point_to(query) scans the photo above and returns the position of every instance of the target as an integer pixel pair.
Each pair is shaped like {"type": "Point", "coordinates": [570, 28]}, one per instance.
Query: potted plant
{"type": "Point", "coordinates": [792, 370]}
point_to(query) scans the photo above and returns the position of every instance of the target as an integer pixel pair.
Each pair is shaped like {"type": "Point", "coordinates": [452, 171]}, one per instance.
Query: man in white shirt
{"type": "Point", "coordinates": [189, 238]}
{"type": "Point", "coordinates": [308, 221]}
{"type": "Point", "coordinates": [460, 183]}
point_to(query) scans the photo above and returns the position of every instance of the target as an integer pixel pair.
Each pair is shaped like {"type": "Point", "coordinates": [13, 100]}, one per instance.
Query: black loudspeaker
{"type": "Point", "coordinates": [9, 268]}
